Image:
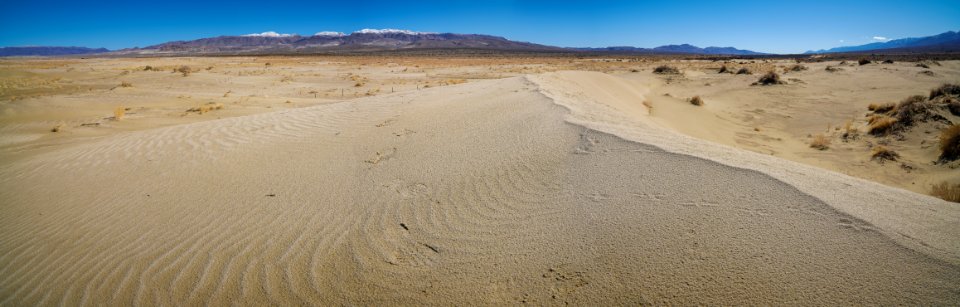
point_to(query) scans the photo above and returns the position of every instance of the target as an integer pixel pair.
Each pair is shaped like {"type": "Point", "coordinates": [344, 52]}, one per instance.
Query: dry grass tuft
{"type": "Point", "coordinates": [118, 113]}
{"type": "Point", "coordinates": [794, 68]}
{"type": "Point", "coordinates": [887, 61]}
{"type": "Point", "coordinates": [924, 65]}
{"type": "Point", "coordinates": [864, 62]}
{"type": "Point", "coordinates": [210, 106]}
{"type": "Point", "coordinates": [882, 153]}
{"type": "Point", "coordinates": [770, 78]}
{"type": "Point", "coordinates": [880, 125]}
{"type": "Point", "coordinates": [882, 107]}
{"type": "Point", "coordinates": [946, 191]}
{"type": "Point", "coordinates": [723, 70]}
{"type": "Point", "coordinates": [820, 142]}
{"type": "Point", "coordinates": [744, 71]}
{"type": "Point", "coordinates": [126, 84]}
{"type": "Point", "coordinates": [666, 70]}
{"type": "Point", "coordinates": [696, 100]}
{"type": "Point", "coordinates": [950, 143]}
{"type": "Point", "coordinates": [184, 69]}
{"type": "Point", "coordinates": [833, 69]}
{"type": "Point", "coordinates": [945, 90]}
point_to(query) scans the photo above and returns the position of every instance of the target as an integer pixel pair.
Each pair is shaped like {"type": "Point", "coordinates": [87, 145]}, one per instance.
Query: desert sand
{"type": "Point", "coordinates": [460, 182]}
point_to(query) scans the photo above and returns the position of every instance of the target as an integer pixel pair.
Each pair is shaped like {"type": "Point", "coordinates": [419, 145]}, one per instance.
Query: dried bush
{"type": "Point", "coordinates": [950, 143]}
{"type": "Point", "coordinates": [820, 142]}
{"type": "Point", "coordinates": [744, 71]}
{"type": "Point", "coordinates": [769, 78]}
{"type": "Point", "coordinates": [666, 70]}
{"type": "Point", "coordinates": [880, 125]}
{"type": "Point", "coordinates": [724, 70]}
{"type": "Point", "coordinates": [946, 191]}
{"type": "Point", "coordinates": [945, 90]}
{"type": "Point", "coordinates": [864, 62]}
{"type": "Point", "coordinates": [696, 100]}
{"type": "Point", "coordinates": [795, 68]}
{"type": "Point", "coordinates": [882, 154]}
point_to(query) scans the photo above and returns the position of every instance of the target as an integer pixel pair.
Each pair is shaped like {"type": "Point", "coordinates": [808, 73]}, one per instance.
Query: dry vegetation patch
{"type": "Point", "coordinates": [820, 142]}
{"type": "Point", "coordinates": [950, 143]}
{"type": "Point", "coordinates": [947, 191]}
{"type": "Point", "coordinates": [666, 70]}
{"type": "Point", "coordinates": [696, 100]}
{"type": "Point", "coordinates": [770, 78]}
{"type": "Point", "coordinates": [882, 154]}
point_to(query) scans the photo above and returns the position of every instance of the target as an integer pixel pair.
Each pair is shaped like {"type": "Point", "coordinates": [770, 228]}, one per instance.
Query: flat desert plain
{"type": "Point", "coordinates": [411, 180]}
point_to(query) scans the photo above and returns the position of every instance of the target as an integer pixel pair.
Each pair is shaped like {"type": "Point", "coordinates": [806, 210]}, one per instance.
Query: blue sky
{"type": "Point", "coordinates": [769, 26]}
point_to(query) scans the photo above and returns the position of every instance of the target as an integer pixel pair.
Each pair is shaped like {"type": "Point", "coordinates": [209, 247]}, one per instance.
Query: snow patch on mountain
{"type": "Point", "coordinates": [390, 31]}
{"type": "Point", "coordinates": [330, 33]}
{"type": "Point", "coordinates": [270, 34]}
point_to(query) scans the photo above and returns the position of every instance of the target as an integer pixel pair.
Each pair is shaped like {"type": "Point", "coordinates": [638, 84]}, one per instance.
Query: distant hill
{"type": "Point", "coordinates": [363, 40]}
{"type": "Point", "coordinates": [944, 42]}
{"type": "Point", "coordinates": [675, 49]}
{"type": "Point", "coordinates": [48, 51]}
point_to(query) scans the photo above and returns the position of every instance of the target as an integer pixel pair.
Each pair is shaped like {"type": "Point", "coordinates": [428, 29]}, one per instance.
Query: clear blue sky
{"type": "Point", "coordinates": [769, 26]}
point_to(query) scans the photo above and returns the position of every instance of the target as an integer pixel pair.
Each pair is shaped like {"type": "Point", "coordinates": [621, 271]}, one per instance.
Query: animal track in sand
{"type": "Point", "coordinates": [565, 281]}
{"type": "Point", "coordinates": [386, 122]}
{"type": "Point", "coordinates": [382, 156]}
{"type": "Point", "coordinates": [403, 132]}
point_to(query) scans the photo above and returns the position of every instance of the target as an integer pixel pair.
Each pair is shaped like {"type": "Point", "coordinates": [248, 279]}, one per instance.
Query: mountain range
{"type": "Point", "coordinates": [943, 42]}
{"type": "Point", "coordinates": [48, 51]}
{"type": "Point", "coordinates": [371, 40]}
{"type": "Point", "coordinates": [674, 49]}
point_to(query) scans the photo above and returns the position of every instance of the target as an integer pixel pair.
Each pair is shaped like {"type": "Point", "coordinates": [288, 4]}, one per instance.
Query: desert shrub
{"type": "Point", "coordinates": [148, 68]}
{"type": "Point", "coordinates": [696, 100]}
{"type": "Point", "coordinates": [927, 73]}
{"type": "Point", "coordinates": [882, 153]}
{"type": "Point", "coordinates": [881, 107]}
{"type": "Point", "coordinates": [843, 63]}
{"type": "Point", "coordinates": [913, 109]}
{"type": "Point", "coordinates": [887, 61]}
{"type": "Point", "coordinates": [184, 69]}
{"type": "Point", "coordinates": [769, 78]}
{"type": "Point", "coordinates": [723, 70]}
{"type": "Point", "coordinates": [880, 124]}
{"type": "Point", "coordinates": [946, 191]}
{"type": "Point", "coordinates": [950, 143]}
{"type": "Point", "coordinates": [820, 142]}
{"type": "Point", "coordinates": [118, 113]}
{"type": "Point", "coordinates": [126, 84]}
{"type": "Point", "coordinates": [924, 65]}
{"type": "Point", "coordinates": [795, 68]}
{"type": "Point", "coordinates": [945, 90]}
{"type": "Point", "coordinates": [954, 107]}
{"type": "Point", "coordinates": [863, 62]}
{"type": "Point", "coordinates": [664, 69]}
{"type": "Point", "coordinates": [744, 71]}
{"type": "Point", "coordinates": [849, 131]}
{"type": "Point", "coordinates": [833, 69]}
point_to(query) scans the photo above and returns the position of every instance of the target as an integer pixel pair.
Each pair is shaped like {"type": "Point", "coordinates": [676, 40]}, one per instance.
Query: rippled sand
{"type": "Point", "coordinates": [547, 189]}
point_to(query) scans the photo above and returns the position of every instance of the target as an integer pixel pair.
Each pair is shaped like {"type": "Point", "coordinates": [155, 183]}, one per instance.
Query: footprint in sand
{"type": "Point", "coordinates": [381, 156]}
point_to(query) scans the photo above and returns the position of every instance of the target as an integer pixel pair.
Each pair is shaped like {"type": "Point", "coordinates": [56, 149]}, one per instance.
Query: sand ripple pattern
{"type": "Point", "coordinates": [476, 194]}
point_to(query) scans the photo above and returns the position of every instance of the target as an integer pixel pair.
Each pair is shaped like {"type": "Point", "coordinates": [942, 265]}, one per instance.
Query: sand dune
{"type": "Point", "coordinates": [546, 189]}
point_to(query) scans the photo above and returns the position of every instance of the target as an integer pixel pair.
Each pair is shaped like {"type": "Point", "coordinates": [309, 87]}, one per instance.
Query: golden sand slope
{"type": "Point", "coordinates": [471, 194]}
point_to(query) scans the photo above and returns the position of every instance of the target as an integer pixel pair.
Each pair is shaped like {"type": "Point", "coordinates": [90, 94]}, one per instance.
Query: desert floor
{"type": "Point", "coordinates": [466, 181]}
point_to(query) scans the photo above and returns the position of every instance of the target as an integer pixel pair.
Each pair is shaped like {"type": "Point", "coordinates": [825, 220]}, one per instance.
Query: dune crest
{"type": "Point", "coordinates": [918, 221]}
